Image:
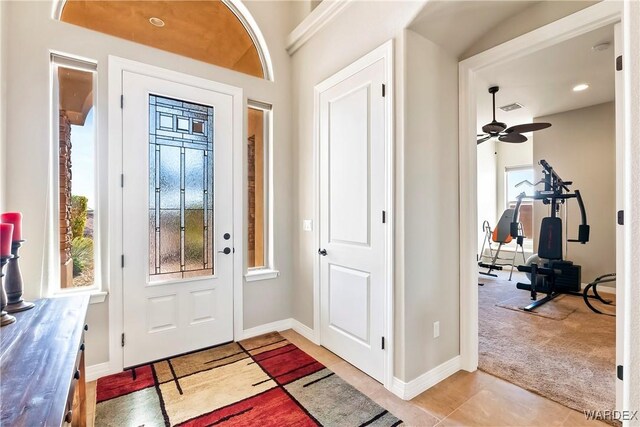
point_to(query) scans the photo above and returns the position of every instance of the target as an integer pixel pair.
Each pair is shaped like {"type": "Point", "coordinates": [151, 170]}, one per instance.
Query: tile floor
{"type": "Point", "coordinates": [464, 399]}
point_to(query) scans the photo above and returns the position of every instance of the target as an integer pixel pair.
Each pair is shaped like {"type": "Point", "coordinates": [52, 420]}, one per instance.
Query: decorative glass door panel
{"type": "Point", "coordinates": [181, 198]}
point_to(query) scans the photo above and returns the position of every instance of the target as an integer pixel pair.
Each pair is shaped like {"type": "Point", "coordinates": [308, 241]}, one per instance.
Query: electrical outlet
{"type": "Point", "coordinates": [307, 225]}
{"type": "Point", "coordinates": [436, 329]}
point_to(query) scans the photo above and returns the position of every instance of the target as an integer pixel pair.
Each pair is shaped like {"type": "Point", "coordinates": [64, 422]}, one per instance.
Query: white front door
{"type": "Point", "coordinates": [177, 218]}
{"type": "Point", "coordinates": [352, 232]}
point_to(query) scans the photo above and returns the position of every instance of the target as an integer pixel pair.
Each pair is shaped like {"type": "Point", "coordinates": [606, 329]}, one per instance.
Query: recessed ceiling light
{"type": "Point", "coordinates": [580, 87]}
{"type": "Point", "coordinates": [156, 22]}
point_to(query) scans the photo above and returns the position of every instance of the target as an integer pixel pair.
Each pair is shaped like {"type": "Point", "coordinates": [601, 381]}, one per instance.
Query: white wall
{"type": "Point", "coordinates": [3, 103]}
{"type": "Point", "coordinates": [581, 147]}
{"type": "Point", "coordinates": [632, 208]}
{"type": "Point", "coordinates": [27, 70]}
{"type": "Point", "coordinates": [487, 186]}
{"type": "Point", "coordinates": [342, 41]}
{"type": "Point", "coordinates": [535, 16]}
{"type": "Point", "coordinates": [431, 214]}
{"type": "Point", "coordinates": [426, 247]}
{"type": "Point", "coordinates": [300, 9]}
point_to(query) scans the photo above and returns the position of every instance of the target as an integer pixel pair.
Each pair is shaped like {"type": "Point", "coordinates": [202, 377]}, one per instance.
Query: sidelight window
{"type": "Point", "coordinates": [74, 83]}
{"type": "Point", "coordinates": [259, 238]}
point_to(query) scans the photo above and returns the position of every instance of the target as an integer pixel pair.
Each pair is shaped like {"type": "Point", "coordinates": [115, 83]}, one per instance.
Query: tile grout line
{"type": "Point", "coordinates": [458, 407]}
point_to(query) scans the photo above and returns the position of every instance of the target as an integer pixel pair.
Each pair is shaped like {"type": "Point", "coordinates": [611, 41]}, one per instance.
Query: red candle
{"type": "Point", "coordinates": [6, 233]}
{"type": "Point", "coordinates": [14, 218]}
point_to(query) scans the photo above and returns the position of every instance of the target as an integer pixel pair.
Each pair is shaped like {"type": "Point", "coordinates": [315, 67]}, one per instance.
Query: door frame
{"type": "Point", "coordinates": [384, 53]}
{"type": "Point", "coordinates": [117, 66]}
{"type": "Point", "coordinates": [584, 21]}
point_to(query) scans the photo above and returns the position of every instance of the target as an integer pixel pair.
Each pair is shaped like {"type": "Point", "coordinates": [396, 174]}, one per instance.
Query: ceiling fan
{"type": "Point", "coordinates": [499, 130]}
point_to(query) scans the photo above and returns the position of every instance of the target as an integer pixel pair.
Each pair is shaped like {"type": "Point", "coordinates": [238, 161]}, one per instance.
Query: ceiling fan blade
{"type": "Point", "coordinates": [481, 140]}
{"type": "Point", "coordinates": [527, 127]}
{"type": "Point", "coordinates": [512, 137]}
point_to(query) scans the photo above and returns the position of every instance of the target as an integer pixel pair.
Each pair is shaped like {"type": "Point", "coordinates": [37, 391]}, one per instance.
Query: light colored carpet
{"type": "Point", "coordinates": [570, 360]}
{"type": "Point", "coordinates": [561, 308]}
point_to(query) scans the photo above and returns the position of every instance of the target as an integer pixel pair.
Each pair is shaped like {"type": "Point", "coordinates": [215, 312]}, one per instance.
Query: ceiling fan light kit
{"type": "Point", "coordinates": [499, 130]}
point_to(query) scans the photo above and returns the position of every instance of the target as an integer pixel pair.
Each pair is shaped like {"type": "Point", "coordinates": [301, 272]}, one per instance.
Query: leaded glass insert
{"type": "Point", "coordinates": [180, 189]}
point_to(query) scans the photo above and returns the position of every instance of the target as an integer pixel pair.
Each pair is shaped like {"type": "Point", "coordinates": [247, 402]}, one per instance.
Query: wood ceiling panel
{"type": "Point", "coordinates": [76, 94]}
{"type": "Point", "coordinates": [204, 30]}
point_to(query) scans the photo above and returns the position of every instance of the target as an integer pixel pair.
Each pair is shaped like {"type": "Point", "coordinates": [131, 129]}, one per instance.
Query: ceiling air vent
{"type": "Point", "coordinates": [511, 107]}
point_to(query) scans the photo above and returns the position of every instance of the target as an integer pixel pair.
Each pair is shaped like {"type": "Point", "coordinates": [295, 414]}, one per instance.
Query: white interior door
{"type": "Point", "coordinates": [177, 218]}
{"type": "Point", "coordinates": [352, 201]}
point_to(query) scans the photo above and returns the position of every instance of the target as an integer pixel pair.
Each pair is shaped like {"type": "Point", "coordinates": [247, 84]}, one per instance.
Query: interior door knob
{"type": "Point", "coordinates": [322, 252]}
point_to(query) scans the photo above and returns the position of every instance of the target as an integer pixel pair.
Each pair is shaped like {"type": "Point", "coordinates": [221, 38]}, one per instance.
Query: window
{"type": "Point", "coordinates": [518, 180]}
{"type": "Point", "coordinates": [259, 261]}
{"type": "Point", "coordinates": [180, 189]}
{"type": "Point", "coordinates": [74, 99]}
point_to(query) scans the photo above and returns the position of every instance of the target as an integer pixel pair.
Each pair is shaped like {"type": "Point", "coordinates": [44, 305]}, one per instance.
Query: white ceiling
{"type": "Point", "coordinates": [438, 20]}
{"type": "Point", "coordinates": [543, 81]}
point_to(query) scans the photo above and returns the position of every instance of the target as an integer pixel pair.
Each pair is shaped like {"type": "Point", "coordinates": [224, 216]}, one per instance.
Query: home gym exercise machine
{"type": "Point", "coordinates": [555, 276]}
{"type": "Point", "coordinates": [593, 287]}
{"type": "Point", "coordinates": [501, 235]}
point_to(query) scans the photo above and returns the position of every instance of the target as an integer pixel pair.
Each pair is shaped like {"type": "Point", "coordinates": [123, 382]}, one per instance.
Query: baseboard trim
{"type": "Point", "coordinates": [602, 289]}
{"type": "Point", "coordinates": [277, 326]}
{"type": "Point", "coordinates": [305, 331]}
{"type": "Point", "coordinates": [281, 325]}
{"type": "Point", "coordinates": [409, 390]}
{"type": "Point", "coordinates": [98, 370]}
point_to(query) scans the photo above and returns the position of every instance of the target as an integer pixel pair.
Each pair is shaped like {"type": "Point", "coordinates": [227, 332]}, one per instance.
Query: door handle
{"type": "Point", "coordinates": [322, 252]}
{"type": "Point", "coordinates": [225, 251]}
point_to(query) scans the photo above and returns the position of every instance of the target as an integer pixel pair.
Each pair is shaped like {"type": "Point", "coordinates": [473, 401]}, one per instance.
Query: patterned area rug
{"type": "Point", "coordinates": [265, 381]}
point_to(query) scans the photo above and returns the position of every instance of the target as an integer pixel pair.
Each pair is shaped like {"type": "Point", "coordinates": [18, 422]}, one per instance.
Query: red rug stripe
{"type": "Point", "coordinates": [299, 373]}
{"type": "Point", "coordinates": [286, 362]}
{"type": "Point", "coordinates": [123, 383]}
{"type": "Point", "coordinates": [273, 408]}
{"type": "Point", "coordinates": [271, 353]}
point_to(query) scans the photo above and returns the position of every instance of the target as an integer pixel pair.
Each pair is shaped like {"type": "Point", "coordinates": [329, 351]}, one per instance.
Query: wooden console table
{"type": "Point", "coordinates": [42, 365]}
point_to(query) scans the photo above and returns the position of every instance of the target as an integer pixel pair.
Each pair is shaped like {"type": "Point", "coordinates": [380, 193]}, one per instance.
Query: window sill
{"type": "Point", "coordinates": [96, 296]}
{"type": "Point", "coordinates": [261, 274]}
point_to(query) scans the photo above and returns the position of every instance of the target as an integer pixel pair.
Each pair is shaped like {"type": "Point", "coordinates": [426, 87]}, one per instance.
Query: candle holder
{"type": "Point", "coordinates": [5, 318]}
{"type": "Point", "coordinates": [13, 284]}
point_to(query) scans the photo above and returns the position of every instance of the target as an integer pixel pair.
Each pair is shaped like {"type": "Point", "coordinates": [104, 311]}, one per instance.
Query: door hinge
{"type": "Point", "coordinates": [619, 63]}
{"type": "Point", "coordinates": [620, 217]}
{"type": "Point", "coordinates": [122, 261]}
{"type": "Point", "coordinates": [121, 101]}
{"type": "Point", "coordinates": [122, 180]}
{"type": "Point", "coordinates": [122, 340]}
{"type": "Point", "coordinates": [384, 217]}
{"type": "Point", "coordinates": [383, 343]}
{"type": "Point", "coordinates": [620, 369]}
{"type": "Point", "coordinates": [384, 90]}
